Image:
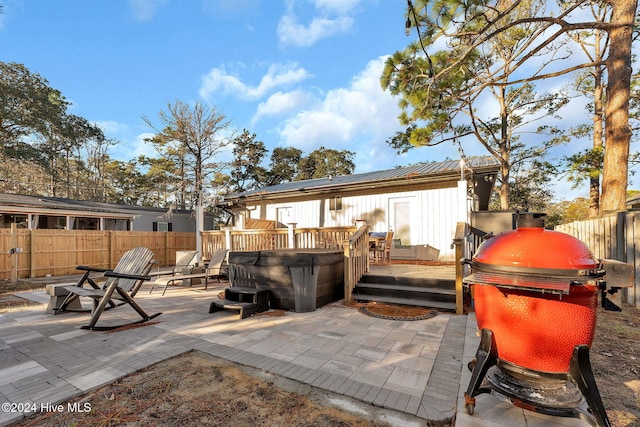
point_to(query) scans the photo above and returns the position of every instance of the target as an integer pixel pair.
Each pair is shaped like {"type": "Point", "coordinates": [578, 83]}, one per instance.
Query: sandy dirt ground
{"type": "Point", "coordinates": [196, 389]}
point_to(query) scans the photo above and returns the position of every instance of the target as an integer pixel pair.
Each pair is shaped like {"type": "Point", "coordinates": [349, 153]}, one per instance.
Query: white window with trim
{"type": "Point", "coordinates": [335, 203]}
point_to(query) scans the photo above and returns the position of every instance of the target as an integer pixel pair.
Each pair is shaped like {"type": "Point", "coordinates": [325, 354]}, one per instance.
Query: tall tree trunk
{"type": "Point", "coordinates": [594, 179]}
{"type": "Point", "coordinates": [618, 132]}
{"type": "Point", "coordinates": [505, 149]}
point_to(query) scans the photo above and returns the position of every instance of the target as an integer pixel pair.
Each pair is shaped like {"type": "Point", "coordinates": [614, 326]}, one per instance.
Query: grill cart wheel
{"type": "Point", "coordinates": [471, 364]}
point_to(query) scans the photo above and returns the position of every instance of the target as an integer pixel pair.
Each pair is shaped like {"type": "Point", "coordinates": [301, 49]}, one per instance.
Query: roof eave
{"type": "Point", "coordinates": [449, 176]}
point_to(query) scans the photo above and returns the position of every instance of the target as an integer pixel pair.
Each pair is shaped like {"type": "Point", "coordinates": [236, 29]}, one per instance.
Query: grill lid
{"type": "Point", "coordinates": [533, 258]}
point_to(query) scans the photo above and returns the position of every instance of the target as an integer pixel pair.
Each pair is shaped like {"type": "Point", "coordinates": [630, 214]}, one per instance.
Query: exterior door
{"type": "Point", "coordinates": [403, 219]}
{"type": "Point", "coordinates": [284, 216]}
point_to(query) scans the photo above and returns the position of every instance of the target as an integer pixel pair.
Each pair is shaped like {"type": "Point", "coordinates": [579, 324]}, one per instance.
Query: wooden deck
{"type": "Point", "coordinates": [409, 284]}
{"type": "Point", "coordinates": [445, 272]}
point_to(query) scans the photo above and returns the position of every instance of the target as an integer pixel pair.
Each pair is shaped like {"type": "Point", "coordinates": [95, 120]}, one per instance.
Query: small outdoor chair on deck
{"type": "Point", "coordinates": [384, 250]}
{"type": "Point", "coordinates": [122, 283]}
{"type": "Point", "coordinates": [213, 269]}
{"type": "Point", "coordinates": [184, 259]}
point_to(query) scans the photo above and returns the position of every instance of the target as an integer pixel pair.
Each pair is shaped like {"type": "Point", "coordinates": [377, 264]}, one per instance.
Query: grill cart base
{"type": "Point", "coordinates": [573, 394]}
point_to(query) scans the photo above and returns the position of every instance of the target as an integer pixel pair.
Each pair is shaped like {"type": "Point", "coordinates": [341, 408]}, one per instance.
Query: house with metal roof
{"type": "Point", "coordinates": [421, 204]}
{"type": "Point", "coordinates": [35, 212]}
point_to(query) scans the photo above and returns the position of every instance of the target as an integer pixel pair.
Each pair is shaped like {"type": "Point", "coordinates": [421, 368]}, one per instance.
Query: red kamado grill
{"type": "Point", "coordinates": [535, 294]}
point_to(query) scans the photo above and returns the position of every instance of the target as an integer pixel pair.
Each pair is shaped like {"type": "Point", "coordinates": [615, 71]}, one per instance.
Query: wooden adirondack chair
{"type": "Point", "coordinates": [213, 269]}
{"type": "Point", "coordinates": [184, 259]}
{"type": "Point", "coordinates": [122, 283]}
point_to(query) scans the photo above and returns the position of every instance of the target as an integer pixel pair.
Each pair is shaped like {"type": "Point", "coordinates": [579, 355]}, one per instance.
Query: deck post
{"type": "Point", "coordinates": [458, 242]}
{"type": "Point", "coordinates": [227, 238]}
{"type": "Point", "coordinates": [291, 233]}
{"type": "Point", "coordinates": [348, 271]}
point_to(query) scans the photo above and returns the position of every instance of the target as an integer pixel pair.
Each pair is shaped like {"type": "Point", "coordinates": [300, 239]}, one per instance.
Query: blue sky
{"type": "Point", "coordinates": [297, 73]}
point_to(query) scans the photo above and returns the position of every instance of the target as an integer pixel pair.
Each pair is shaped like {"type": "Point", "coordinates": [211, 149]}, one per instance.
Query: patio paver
{"type": "Point", "coordinates": [413, 367]}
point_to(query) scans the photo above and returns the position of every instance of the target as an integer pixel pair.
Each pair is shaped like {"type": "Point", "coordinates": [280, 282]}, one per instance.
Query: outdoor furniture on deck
{"type": "Point", "coordinates": [213, 269]}
{"type": "Point", "coordinates": [120, 287]}
{"type": "Point", "coordinates": [375, 240]}
{"type": "Point", "coordinates": [384, 247]}
{"type": "Point", "coordinates": [380, 246]}
{"type": "Point", "coordinates": [184, 259]}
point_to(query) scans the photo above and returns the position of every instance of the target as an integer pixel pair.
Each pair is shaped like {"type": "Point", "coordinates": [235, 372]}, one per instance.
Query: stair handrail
{"type": "Point", "coordinates": [356, 260]}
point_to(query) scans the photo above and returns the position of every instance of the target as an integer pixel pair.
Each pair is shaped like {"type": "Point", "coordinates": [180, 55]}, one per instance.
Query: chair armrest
{"type": "Point", "coordinates": [87, 268]}
{"type": "Point", "coordinates": [126, 276]}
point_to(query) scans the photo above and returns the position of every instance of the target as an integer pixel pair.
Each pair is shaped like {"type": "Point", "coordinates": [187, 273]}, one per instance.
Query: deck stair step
{"type": "Point", "coordinates": [422, 282]}
{"type": "Point", "coordinates": [408, 289]}
{"type": "Point", "coordinates": [411, 291]}
{"type": "Point", "coordinates": [408, 302]}
{"type": "Point", "coordinates": [247, 301]}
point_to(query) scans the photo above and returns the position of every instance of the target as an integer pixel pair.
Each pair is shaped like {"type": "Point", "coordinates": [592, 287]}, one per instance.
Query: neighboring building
{"type": "Point", "coordinates": [421, 204]}
{"type": "Point", "coordinates": [633, 202]}
{"type": "Point", "coordinates": [34, 212]}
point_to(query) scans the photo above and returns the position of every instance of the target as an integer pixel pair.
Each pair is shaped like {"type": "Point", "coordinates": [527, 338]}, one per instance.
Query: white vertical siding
{"type": "Point", "coordinates": [436, 219]}
{"type": "Point", "coordinates": [439, 216]}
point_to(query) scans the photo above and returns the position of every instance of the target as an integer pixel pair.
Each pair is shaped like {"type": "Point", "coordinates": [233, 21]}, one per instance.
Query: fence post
{"type": "Point", "coordinates": [14, 254]}
{"type": "Point", "coordinates": [32, 258]}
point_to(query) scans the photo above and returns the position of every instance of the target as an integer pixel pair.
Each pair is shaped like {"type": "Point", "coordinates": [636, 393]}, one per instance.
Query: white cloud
{"type": "Point", "coordinates": [332, 17]}
{"type": "Point", "coordinates": [128, 150]}
{"type": "Point", "coordinates": [218, 81]}
{"type": "Point", "coordinates": [340, 7]}
{"type": "Point", "coordinates": [360, 114]}
{"type": "Point", "coordinates": [145, 10]}
{"type": "Point", "coordinates": [292, 33]}
{"type": "Point", "coordinates": [281, 103]}
{"type": "Point", "coordinates": [111, 127]}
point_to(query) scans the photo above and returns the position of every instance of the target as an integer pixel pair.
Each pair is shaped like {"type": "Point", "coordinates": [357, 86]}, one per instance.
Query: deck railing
{"type": "Point", "coordinates": [279, 238]}
{"type": "Point", "coordinates": [356, 260]}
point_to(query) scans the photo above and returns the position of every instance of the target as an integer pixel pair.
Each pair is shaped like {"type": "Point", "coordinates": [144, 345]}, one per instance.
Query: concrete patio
{"type": "Point", "coordinates": [415, 370]}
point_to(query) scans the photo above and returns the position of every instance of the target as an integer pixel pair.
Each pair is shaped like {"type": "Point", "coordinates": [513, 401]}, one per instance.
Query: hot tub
{"type": "Point", "coordinates": [298, 279]}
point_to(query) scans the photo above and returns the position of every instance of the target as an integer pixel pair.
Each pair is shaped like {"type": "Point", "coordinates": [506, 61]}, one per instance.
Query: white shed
{"type": "Point", "coordinates": [421, 203]}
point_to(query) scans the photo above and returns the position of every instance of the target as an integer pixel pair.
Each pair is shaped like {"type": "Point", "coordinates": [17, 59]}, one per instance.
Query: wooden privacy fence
{"type": "Point", "coordinates": [43, 252]}
{"type": "Point", "coordinates": [613, 236]}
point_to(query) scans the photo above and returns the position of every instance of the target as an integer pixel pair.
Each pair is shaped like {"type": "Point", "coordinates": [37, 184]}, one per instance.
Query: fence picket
{"type": "Point", "coordinates": [614, 236]}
